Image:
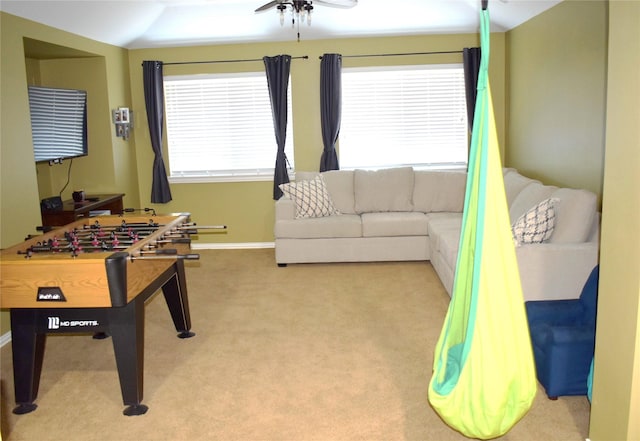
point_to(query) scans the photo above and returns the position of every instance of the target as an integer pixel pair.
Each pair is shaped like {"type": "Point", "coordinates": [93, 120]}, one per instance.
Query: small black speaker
{"type": "Point", "coordinates": [53, 203]}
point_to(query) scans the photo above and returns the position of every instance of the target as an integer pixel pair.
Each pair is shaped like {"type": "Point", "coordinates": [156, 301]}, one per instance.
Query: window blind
{"type": "Point", "coordinates": [58, 122]}
{"type": "Point", "coordinates": [403, 116]}
{"type": "Point", "coordinates": [222, 125]}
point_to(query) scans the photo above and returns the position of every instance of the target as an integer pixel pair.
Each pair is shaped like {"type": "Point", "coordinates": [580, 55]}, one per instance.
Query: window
{"type": "Point", "coordinates": [220, 127]}
{"type": "Point", "coordinates": [404, 115]}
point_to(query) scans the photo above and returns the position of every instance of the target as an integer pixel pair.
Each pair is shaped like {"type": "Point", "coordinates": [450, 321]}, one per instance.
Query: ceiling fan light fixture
{"type": "Point", "coordinates": [308, 8]}
{"type": "Point", "coordinates": [301, 10]}
{"type": "Point", "coordinates": [281, 8]}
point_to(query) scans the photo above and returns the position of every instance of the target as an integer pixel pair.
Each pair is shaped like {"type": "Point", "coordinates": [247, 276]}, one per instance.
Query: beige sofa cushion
{"type": "Point", "coordinates": [346, 225]}
{"type": "Point", "coordinates": [340, 187]}
{"type": "Point", "coordinates": [530, 196]}
{"type": "Point", "coordinates": [514, 182]}
{"type": "Point", "coordinates": [384, 190]}
{"type": "Point", "coordinates": [442, 226]}
{"type": "Point", "coordinates": [575, 213]}
{"type": "Point", "coordinates": [438, 191]}
{"type": "Point", "coordinates": [400, 223]}
{"type": "Point", "coordinates": [310, 197]}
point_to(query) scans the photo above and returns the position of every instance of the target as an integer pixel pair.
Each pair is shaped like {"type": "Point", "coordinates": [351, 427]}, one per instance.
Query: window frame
{"type": "Point", "coordinates": [463, 124]}
{"type": "Point", "coordinates": [229, 175]}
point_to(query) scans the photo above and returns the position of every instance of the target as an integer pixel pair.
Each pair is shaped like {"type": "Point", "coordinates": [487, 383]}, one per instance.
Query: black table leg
{"type": "Point", "coordinates": [28, 354]}
{"type": "Point", "coordinates": [175, 293]}
{"type": "Point", "coordinates": [126, 326]}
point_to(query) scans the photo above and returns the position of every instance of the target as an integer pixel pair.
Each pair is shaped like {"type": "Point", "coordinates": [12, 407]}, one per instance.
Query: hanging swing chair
{"type": "Point", "coordinates": [484, 378]}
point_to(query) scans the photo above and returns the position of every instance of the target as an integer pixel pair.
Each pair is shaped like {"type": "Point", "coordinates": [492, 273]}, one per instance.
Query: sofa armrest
{"type": "Point", "coordinates": [553, 271]}
{"type": "Point", "coordinates": [554, 312]}
{"type": "Point", "coordinates": [285, 209]}
{"type": "Point", "coordinates": [574, 335]}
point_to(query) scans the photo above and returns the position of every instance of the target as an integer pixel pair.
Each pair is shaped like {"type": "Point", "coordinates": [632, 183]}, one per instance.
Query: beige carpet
{"type": "Point", "coordinates": [307, 352]}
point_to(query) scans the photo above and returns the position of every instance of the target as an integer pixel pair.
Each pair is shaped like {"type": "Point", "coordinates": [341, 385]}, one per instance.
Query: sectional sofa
{"type": "Point", "coordinates": [401, 214]}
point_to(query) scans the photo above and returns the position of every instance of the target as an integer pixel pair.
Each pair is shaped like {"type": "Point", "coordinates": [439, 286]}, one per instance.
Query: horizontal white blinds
{"type": "Point", "coordinates": [221, 125]}
{"type": "Point", "coordinates": [403, 116]}
{"type": "Point", "coordinates": [58, 122]}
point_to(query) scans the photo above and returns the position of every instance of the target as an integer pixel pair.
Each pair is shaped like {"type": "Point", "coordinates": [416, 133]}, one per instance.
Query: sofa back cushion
{"type": "Point", "coordinates": [438, 191]}
{"type": "Point", "coordinates": [340, 187]}
{"type": "Point", "coordinates": [310, 197]}
{"type": "Point", "coordinates": [514, 183]}
{"type": "Point", "coordinates": [383, 190]}
{"type": "Point", "coordinates": [576, 211]}
{"type": "Point", "coordinates": [306, 175]}
{"type": "Point", "coordinates": [530, 196]}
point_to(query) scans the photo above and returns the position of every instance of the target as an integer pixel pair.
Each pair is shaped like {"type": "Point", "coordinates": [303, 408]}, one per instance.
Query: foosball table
{"type": "Point", "coordinates": [94, 276]}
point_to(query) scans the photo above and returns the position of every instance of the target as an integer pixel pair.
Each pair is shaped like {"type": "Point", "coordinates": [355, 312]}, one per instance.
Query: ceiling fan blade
{"type": "Point", "coordinates": [268, 6]}
{"type": "Point", "coordinates": [345, 4]}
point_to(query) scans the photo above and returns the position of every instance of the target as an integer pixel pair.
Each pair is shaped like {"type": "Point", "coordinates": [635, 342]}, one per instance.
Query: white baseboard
{"type": "Point", "coordinates": [5, 338]}
{"type": "Point", "coordinates": [232, 246]}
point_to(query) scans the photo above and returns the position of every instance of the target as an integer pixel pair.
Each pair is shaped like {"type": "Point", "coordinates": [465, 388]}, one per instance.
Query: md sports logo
{"type": "Point", "coordinates": [56, 323]}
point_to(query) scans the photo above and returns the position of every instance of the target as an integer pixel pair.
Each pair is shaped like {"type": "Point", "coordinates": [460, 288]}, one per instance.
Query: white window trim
{"type": "Point", "coordinates": [214, 176]}
{"type": "Point", "coordinates": [453, 165]}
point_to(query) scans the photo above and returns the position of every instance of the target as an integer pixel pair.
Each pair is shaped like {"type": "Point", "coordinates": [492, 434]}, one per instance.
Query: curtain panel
{"type": "Point", "coordinates": [277, 69]}
{"type": "Point", "coordinates": [330, 108]}
{"type": "Point", "coordinates": [471, 64]}
{"type": "Point", "coordinates": [154, 102]}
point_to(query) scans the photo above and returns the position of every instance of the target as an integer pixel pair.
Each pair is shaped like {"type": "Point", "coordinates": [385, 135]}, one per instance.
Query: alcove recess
{"type": "Point", "coordinates": [52, 65]}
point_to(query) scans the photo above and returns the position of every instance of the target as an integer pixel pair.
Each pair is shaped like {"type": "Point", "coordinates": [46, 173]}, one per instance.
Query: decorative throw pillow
{"type": "Point", "coordinates": [310, 197]}
{"type": "Point", "coordinates": [536, 225]}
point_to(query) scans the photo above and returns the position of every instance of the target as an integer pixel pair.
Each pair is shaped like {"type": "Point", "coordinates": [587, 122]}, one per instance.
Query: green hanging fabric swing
{"type": "Point", "coordinates": [484, 375]}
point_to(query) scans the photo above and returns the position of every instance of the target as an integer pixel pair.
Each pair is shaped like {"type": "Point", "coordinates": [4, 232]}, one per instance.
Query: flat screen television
{"type": "Point", "coordinates": [58, 123]}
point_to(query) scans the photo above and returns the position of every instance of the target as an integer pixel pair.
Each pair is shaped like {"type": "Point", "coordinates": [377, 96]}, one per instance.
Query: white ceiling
{"type": "Point", "coordinates": [160, 23]}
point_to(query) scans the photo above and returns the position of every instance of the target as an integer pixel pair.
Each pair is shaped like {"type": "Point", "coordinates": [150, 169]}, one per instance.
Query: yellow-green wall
{"type": "Point", "coordinates": [615, 411]}
{"type": "Point", "coordinates": [557, 88]}
{"type": "Point", "coordinates": [87, 74]}
{"type": "Point", "coordinates": [247, 208]}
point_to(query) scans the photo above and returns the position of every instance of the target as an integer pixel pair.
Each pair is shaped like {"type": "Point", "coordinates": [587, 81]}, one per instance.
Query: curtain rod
{"type": "Point", "coordinates": [395, 55]}
{"type": "Point", "coordinates": [226, 61]}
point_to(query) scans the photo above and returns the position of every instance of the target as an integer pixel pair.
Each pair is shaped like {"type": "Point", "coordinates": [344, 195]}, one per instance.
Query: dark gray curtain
{"type": "Point", "coordinates": [330, 108]}
{"type": "Point", "coordinates": [471, 62]}
{"type": "Point", "coordinates": [154, 101]}
{"type": "Point", "coordinates": [277, 69]}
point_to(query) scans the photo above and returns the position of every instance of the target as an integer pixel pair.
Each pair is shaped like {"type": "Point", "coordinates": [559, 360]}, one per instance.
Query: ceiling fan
{"type": "Point", "coordinates": [306, 5]}
{"type": "Point", "coordinates": [301, 9]}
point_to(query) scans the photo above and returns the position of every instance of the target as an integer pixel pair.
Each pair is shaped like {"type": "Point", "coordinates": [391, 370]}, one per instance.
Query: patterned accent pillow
{"type": "Point", "coordinates": [311, 198]}
{"type": "Point", "coordinates": [536, 225]}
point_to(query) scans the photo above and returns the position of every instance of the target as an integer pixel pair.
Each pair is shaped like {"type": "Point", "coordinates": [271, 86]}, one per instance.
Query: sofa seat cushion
{"type": "Point", "coordinates": [449, 242]}
{"type": "Point", "coordinates": [344, 225]}
{"type": "Point", "coordinates": [442, 225]}
{"type": "Point", "coordinates": [394, 224]}
{"type": "Point", "coordinates": [384, 190]}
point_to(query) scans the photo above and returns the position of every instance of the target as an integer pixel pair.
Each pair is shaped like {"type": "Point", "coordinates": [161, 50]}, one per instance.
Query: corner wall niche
{"type": "Point", "coordinates": [56, 66]}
